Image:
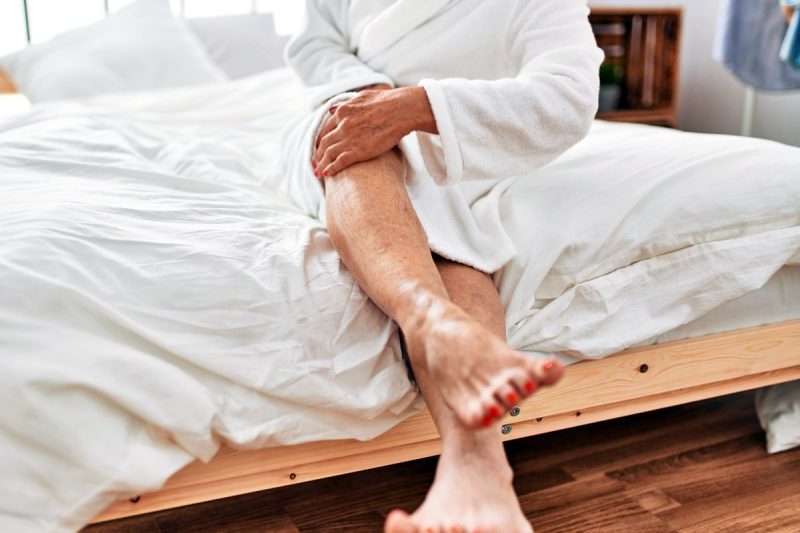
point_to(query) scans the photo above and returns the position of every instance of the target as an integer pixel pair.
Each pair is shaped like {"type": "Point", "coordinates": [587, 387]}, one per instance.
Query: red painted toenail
{"type": "Point", "coordinates": [530, 386]}
{"type": "Point", "coordinates": [325, 173]}
{"type": "Point", "coordinates": [512, 397]}
{"type": "Point", "coordinates": [494, 411]}
{"type": "Point", "coordinates": [548, 365]}
{"type": "Point", "coordinates": [487, 421]}
{"type": "Point", "coordinates": [314, 164]}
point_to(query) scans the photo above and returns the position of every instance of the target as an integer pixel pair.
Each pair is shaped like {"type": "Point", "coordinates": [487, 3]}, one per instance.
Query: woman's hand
{"type": "Point", "coordinates": [370, 125]}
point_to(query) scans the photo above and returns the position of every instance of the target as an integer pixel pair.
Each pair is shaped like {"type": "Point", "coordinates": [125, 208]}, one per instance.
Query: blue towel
{"type": "Point", "coordinates": [790, 51]}
{"type": "Point", "coordinates": [749, 44]}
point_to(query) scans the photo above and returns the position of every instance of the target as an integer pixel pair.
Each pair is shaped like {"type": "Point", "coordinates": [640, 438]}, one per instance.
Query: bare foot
{"type": "Point", "coordinates": [478, 375]}
{"type": "Point", "coordinates": [472, 493]}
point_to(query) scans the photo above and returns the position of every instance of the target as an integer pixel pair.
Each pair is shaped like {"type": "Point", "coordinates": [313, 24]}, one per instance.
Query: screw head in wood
{"type": "Point", "coordinates": [514, 411]}
{"type": "Point", "coordinates": [506, 429]}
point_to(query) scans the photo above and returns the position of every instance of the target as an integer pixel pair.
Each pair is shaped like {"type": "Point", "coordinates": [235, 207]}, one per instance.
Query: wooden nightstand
{"type": "Point", "coordinates": [639, 79]}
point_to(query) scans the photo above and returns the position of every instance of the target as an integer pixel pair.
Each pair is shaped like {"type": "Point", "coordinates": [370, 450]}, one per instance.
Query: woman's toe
{"type": "Point", "coordinates": [553, 370]}
{"type": "Point", "coordinates": [524, 384]}
{"type": "Point", "coordinates": [547, 372]}
{"type": "Point", "coordinates": [478, 414]}
{"type": "Point", "coordinates": [399, 521]}
{"type": "Point", "coordinates": [506, 396]}
{"type": "Point", "coordinates": [491, 412]}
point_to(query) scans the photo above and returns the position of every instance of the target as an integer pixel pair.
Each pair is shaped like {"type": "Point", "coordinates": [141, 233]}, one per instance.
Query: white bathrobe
{"type": "Point", "coordinates": [512, 84]}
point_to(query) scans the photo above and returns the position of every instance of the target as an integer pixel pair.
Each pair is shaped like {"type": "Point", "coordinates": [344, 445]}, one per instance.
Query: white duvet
{"type": "Point", "coordinates": [158, 298]}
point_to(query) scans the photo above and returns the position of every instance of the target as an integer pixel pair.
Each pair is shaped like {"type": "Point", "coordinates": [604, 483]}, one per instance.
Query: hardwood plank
{"type": "Point", "coordinates": [613, 512]}
{"type": "Point", "coordinates": [653, 500]}
{"type": "Point", "coordinates": [568, 495]}
{"type": "Point", "coordinates": [777, 516]}
{"type": "Point", "coordinates": [362, 523]}
{"type": "Point", "coordinates": [712, 493]}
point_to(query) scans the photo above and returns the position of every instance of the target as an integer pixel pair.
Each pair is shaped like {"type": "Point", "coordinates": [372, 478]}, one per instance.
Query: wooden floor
{"type": "Point", "coordinates": [694, 468]}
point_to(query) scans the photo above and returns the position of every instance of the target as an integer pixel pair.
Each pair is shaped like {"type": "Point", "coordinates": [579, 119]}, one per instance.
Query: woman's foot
{"type": "Point", "coordinates": [472, 493]}
{"type": "Point", "coordinates": [479, 376]}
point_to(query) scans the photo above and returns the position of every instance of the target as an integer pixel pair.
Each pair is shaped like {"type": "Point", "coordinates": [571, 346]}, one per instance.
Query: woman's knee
{"type": "Point", "coordinates": [388, 166]}
{"type": "Point", "coordinates": [366, 188]}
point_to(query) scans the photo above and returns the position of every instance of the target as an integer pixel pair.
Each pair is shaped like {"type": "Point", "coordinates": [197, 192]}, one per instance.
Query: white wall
{"type": "Point", "coordinates": [710, 98]}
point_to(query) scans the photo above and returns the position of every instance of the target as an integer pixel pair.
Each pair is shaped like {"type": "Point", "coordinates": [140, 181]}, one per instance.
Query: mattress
{"type": "Point", "coordinates": [777, 301]}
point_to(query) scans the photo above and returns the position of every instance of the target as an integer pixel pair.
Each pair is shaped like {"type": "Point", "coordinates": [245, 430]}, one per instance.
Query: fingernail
{"type": "Point", "coordinates": [530, 386]}
{"type": "Point", "coordinates": [512, 397]}
{"type": "Point", "coordinates": [316, 174]}
{"type": "Point", "coordinates": [314, 164]}
{"type": "Point", "coordinates": [325, 173]}
{"type": "Point", "coordinates": [494, 411]}
{"type": "Point", "coordinates": [487, 421]}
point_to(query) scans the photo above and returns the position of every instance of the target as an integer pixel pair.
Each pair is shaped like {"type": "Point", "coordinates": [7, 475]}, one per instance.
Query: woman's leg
{"type": "Point", "coordinates": [457, 502]}
{"type": "Point", "coordinates": [374, 227]}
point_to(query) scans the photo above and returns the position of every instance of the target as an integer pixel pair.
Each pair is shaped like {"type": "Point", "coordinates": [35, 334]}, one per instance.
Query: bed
{"type": "Point", "coordinates": [168, 152]}
{"type": "Point", "coordinates": [160, 299]}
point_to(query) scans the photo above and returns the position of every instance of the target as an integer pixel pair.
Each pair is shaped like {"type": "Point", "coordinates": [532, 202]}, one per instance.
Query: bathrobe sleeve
{"type": "Point", "coordinates": [321, 53]}
{"type": "Point", "coordinates": [497, 129]}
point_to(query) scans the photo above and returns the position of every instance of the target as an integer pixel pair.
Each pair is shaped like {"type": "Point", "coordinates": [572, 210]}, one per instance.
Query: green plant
{"type": "Point", "coordinates": [611, 74]}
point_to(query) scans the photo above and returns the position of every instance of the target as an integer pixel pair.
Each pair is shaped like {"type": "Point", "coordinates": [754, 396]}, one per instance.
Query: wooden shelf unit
{"type": "Point", "coordinates": [645, 44]}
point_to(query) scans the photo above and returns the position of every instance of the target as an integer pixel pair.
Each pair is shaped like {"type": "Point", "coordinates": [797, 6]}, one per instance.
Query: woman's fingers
{"type": "Point", "coordinates": [330, 124]}
{"type": "Point", "coordinates": [325, 142]}
{"type": "Point", "coordinates": [344, 160]}
{"type": "Point", "coordinates": [331, 154]}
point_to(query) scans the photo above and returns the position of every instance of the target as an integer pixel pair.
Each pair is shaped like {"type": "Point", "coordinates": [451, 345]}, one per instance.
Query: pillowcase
{"type": "Point", "coordinates": [143, 46]}
{"type": "Point", "coordinates": [241, 45]}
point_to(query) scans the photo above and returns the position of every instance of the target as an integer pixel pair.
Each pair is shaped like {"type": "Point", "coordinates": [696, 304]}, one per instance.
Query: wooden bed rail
{"type": "Point", "coordinates": [631, 382]}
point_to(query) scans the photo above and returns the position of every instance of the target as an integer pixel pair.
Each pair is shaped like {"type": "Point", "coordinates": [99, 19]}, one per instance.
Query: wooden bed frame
{"type": "Point", "coordinates": [630, 382]}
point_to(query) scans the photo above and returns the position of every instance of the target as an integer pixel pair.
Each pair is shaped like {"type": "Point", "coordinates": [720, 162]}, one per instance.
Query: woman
{"type": "Point", "coordinates": [423, 108]}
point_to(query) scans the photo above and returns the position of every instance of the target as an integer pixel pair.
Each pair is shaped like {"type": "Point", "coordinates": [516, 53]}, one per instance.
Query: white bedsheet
{"type": "Point", "coordinates": [157, 298]}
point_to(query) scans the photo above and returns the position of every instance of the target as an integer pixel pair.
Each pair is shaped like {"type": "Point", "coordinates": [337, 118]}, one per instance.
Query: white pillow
{"type": "Point", "coordinates": [143, 46]}
{"type": "Point", "coordinates": [241, 45]}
